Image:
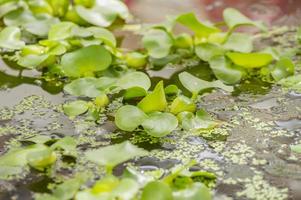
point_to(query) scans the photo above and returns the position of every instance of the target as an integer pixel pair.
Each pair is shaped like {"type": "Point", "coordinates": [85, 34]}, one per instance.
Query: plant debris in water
{"type": "Point", "coordinates": [117, 116]}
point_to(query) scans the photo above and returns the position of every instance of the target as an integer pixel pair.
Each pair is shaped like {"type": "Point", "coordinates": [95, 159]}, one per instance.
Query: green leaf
{"type": "Point", "coordinates": [59, 7]}
{"type": "Point", "coordinates": [182, 103]}
{"type": "Point", "coordinates": [239, 42]}
{"type": "Point", "coordinates": [104, 12]}
{"type": "Point", "coordinates": [201, 30]}
{"type": "Point", "coordinates": [183, 40]}
{"type": "Point", "coordinates": [206, 51]}
{"type": "Point", "coordinates": [296, 148]}
{"type": "Point", "coordinates": [136, 60]}
{"type": "Point", "coordinates": [42, 158]}
{"type": "Point", "coordinates": [283, 68]}
{"type": "Point", "coordinates": [157, 42]}
{"type": "Point", "coordinates": [156, 190]}
{"type": "Point", "coordinates": [196, 191]}
{"type": "Point", "coordinates": [250, 60]}
{"type": "Point", "coordinates": [10, 38]}
{"type": "Point", "coordinates": [32, 61]}
{"type": "Point", "coordinates": [154, 101]}
{"type": "Point", "coordinates": [125, 190]}
{"type": "Point", "coordinates": [134, 79]}
{"type": "Point", "coordinates": [160, 124]}
{"type": "Point", "coordinates": [61, 31]}
{"type": "Point", "coordinates": [84, 87]}
{"type": "Point", "coordinates": [128, 117]}
{"type": "Point", "coordinates": [225, 71]}
{"type": "Point", "coordinates": [40, 26]}
{"type": "Point", "coordinates": [7, 8]}
{"type": "Point", "coordinates": [195, 85]}
{"type": "Point", "coordinates": [75, 108]}
{"type": "Point", "coordinates": [292, 82]}
{"type": "Point", "coordinates": [233, 18]}
{"type": "Point", "coordinates": [104, 35]}
{"type": "Point", "coordinates": [134, 92]}
{"type": "Point", "coordinates": [86, 61]}
{"type": "Point", "coordinates": [113, 155]}
{"type": "Point", "coordinates": [68, 144]}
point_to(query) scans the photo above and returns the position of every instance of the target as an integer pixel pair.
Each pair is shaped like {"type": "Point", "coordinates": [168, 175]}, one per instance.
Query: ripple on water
{"type": "Point", "coordinates": [291, 124]}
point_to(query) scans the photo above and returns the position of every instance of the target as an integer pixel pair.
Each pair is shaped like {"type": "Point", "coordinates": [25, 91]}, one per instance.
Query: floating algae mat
{"type": "Point", "coordinates": [210, 115]}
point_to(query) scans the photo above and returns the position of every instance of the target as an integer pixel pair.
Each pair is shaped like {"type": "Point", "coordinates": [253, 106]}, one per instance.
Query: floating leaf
{"type": "Point", "coordinates": [61, 31]}
{"type": "Point", "coordinates": [239, 42]}
{"type": "Point", "coordinates": [68, 144]}
{"type": "Point", "coordinates": [154, 101]}
{"type": "Point", "coordinates": [75, 108]}
{"type": "Point", "coordinates": [196, 191]}
{"type": "Point", "coordinates": [292, 82]}
{"type": "Point", "coordinates": [134, 92]}
{"type": "Point", "coordinates": [134, 79]}
{"type": "Point", "coordinates": [296, 148]}
{"type": "Point", "coordinates": [225, 71]}
{"type": "Point", "coordinates": [10, 38]}
{"type": "Point", "coordinates": [283, 68]}
{"type": "Point", "coordinates": [183, 40]}
{"type": "Point", "coordinates": [201, 30]}
{"type": "Point", "coordinates": [157, 42]}
{"type": "Point", "coordinates": [250, 60]}
{"type": "Point", "coordinates": [86, 61]}
{"type": "Point", "coordinates": [182, 103]}
{"type": "Point", "coordinates": [42, 158]}
{"type": "Point", "coordinates": [160, 124]}
{"type": "Point", "coordinates": [233, 18]}
{"type": "Point", "coordinates": [113, 155]}
{"type": "Point", "coordinates": [32, 61]}
{"type": "Point", "coordinates": [206, 51]}
{"type": "Point", "coordinates": [104, 12]}
{"type": "Point", "coordinates": [156, 190]}
{"type": "Point", "coordinates": [136, 60]}
{"type": "Point", "coordinates": [128, 117]}
{"type": "Point", "coordinates": [195, 85]}
{"type": "Point", "coordinates": [104, 35]}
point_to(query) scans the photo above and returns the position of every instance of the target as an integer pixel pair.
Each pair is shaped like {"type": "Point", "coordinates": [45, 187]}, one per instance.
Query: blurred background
{"type": "Point", "coordinates": [272, 12]}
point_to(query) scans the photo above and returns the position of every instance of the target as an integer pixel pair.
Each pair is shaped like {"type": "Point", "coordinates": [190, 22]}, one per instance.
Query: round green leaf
{"type": "Point", "coordinates": [157, 42]}
{"type": "Point", "coordinates": [86, 61]}
{"type": "Point", "coordinates": [239, 42]}
{"type": "Point", "coordinates": [156, 190]}
{"type": "Point", "coordinates": [160, 124]}
{"type": "Point", "coordinates": [10, 38]}
{"type": "Point", "coordinates": [134, 79]}
{"type": "Point", "coordinates": [250, 60]}
{"type": "Point", "coordinates": [206, 51]}
{"type": "Point", "coordinates": [182, 103]}
{"type": "Point", "coordinates": [128, 117]}
{"type": "Point", "coordinates": [61, 31]}
{"type": "Point", "coordinates": [196, 191]}
{"type": "Point", "coordinates": [283, 68]}
{"type": "Point", "coordinates": [75, 108]}
{"type": "Point", "coordinates": [136, 60]}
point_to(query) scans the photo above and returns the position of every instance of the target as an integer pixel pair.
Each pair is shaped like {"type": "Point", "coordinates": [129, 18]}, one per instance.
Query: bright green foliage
{"type": "Point", "coordinates": [10, 38]}
{"type": "Point", "coordinates": [136, 60]}
{"type": "Point", "coordinates": [196, 191]}
{"type": "Point", "coordinates": [296, 148]}
{"type": "Point", "coordinates": [157, 190]}
{"type": "Point", "coordinates": [128, 117]}
{"type": "Point", "coordinates": [154, 101]}
{"type": "Point", "coordinates": [61, 31]}
{"type": "Point", "coordinates": [239, 42]}
{"type": "Point", "coordinates": [86, 61]}
{"type": "Point", "coordinates": [134, 79]}
{"type": "Point", "coordinates": [292, 82]}
{"type": "Point", "coordinates": [250, 60]}
{"type": "Point", "coordinates": [181, 104]}
{"type": "Point", "coordinates": [283, 68]}
{"type": "Point", "coordinates": [206, 51]}
{"type": "Point", "coordinates": [75, 108]}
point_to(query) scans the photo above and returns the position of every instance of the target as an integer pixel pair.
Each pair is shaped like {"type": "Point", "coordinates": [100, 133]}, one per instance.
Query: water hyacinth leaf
{"type": "Point", "coordinates": [32, 61]}
{"type": "Point", "coordinates": [296, 148]}
{"type": "Point", "coordinates": [104, 12]}
{"type": "Point", "coordinates": [86, 61]}
{"type": "Point", "coordinates": [134, 92]}
{"type": "Point", "coordinates": [113, 155]}
{"type": "Point", "coordinates": [250, 60]}
{"type": "Point", "coordinates": [59, 7]}
{"type": "Point", "coordinates": [239, 42]}
{"type": "Point", "coordinates": [183, 40]}
{"type": "Point", "coordinates": [40, 27]}
{"type": "Point", "coordinates": [7, 8]}
{"type": "Point", "coordinates": [126, 189]}
{"type": "Point", "coordinates": [157, 190]}
{"type": "Point", "coordinates": [225, 71]}
{"type": "Point", "coordinates": [88, 87]}
{"type": "Point", "coordinates": [68, 144]}
{"type": "Point", "coordinates": [136, 60]}
{"type": "Point", "coordinates": [157, 42]}
{"type": "Point", "coordinates": [61, 31]}
{"type": "Point", "coordinates": [201, 30]}
{"type": "Point", "coordinates": [292, 82]}
{"type": "Point", "coordinates": [134, 79]}
{"type": "Point", "coordinates": [182, 103]}
{"type": "Point", "coordinates": [42, 158]}
{"type": "Point", "coordinates": [206, 51]}
{"type": "Point", "coordinates": [75, 108]}
{"type": "Point", "coordinates": [196, 191]}
{"type": "Point", "coordinates": [128, 117]}
{"type": "Point", "coordinates": [104, 35]}
{"type": "Point", "coordinates": [171, 90]}
{"type": "Point", "coordinates": [154, 101]}
{"type": "Point", "coordinates": [283, 68]}
{"type": "Point", "coordinates": [18, 17]}
{"type": "Point", "coordinates": [160, 124]}
{"type": "Point", "coordinates": [40, 7]}
{"type": "Point", "coordinates": [10, 38]}
{"type": "Point", "coordinates": [233, 18]}
{"type": "Point", "coordinates": [195, 85]}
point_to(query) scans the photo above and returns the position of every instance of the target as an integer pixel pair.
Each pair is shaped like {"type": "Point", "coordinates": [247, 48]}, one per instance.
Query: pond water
{"type": "Point", "coordinates": [249, 152]}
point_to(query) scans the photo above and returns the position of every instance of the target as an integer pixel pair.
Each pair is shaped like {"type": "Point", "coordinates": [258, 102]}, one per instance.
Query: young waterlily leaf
{"type": "Point", "coordinates": [206, 51]}
{"type": "Point", "coordinates": [75, 108]}
{"type": "Point", "coordinates": [296, 148]}
{"type": "Point", "coordinates": [196, 191]}
{"type": "Point", "coordinates": [239, 42]}
{"type": "Point", "coordinates": [283, 68]}
{"type": "Point", "coordinates": [88, 87]}
{"type": "Point", "coordinates": [113, 155]}
{"type": "Point", "coordinates": [250, 60]}
{"type": "Point", "coordinates": [86, 61]}
{"type": "Point", "coordinates": [225, 71]}
{"type": "Point", "coordinates": [159, 124]}
{"type": "Point", "coordinates": [195, 85]}
{"type": "Point", "coordinates": [156, 190]}
{"type": "Point", "coordinates": [128, 117]}
{"type": "Point", "coordinates": [104, 12]}
{"type": "Point", "coordinates": [154, 101]}
{"type": "Point", "coordinates": [134, 79]}
{"type": "Point", "coordinates": [10, 38]}
{"type": "Point", "coordinates": [201, 30]}
{"type": "Point", "coordinates": [157, 42]}
{"type": "Point", "coordinates": [181, 104]}
{"type": "Point", "coordinates": [233, 18]}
